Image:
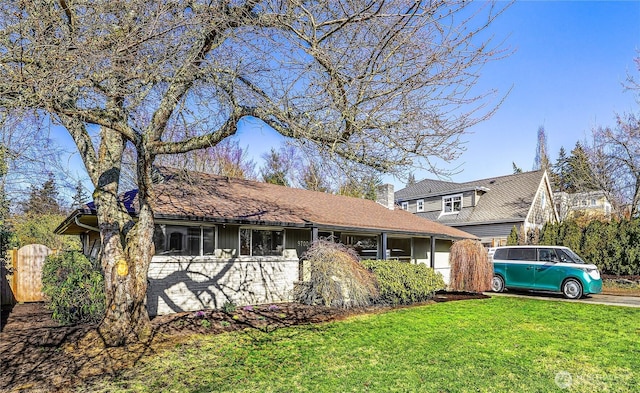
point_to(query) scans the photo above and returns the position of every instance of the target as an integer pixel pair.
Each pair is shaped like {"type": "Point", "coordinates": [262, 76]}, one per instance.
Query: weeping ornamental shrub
{"type": "Point", "coordinates": [336, 278]}
{"type": "Point", "coordinates": [74, 288]}
{"type": "Point", "coordinates": [404, 283]}
{"type": "Point", "coordinates": [471, 269]}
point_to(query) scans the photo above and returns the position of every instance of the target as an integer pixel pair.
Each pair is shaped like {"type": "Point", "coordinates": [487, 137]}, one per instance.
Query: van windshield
{"type": "Point", "coordinates": [572, 256]}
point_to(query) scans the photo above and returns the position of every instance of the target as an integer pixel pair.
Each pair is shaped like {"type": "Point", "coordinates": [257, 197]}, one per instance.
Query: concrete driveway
{"type": "Point", "coordinates": [610, 300]}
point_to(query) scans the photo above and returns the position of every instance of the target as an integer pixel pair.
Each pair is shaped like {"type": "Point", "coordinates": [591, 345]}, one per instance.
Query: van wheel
{"type": "Point", "coordinates": [572, 289]}
{"type": "Point", "coordinates": [497, 284]}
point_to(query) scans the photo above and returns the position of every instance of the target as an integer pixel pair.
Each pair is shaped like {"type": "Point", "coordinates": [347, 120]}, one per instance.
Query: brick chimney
{"type": "Point", "coordinates": [385, 196]}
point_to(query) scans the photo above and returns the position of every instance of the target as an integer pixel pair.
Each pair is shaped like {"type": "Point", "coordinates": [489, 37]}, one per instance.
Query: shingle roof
{"type": "Point", "coordinates": [200, 196]}
{"type": "Point", "coordinates": [508, 197]}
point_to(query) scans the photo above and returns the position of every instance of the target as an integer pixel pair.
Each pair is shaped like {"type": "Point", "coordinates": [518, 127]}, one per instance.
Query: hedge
{"type": "Point", "coordinates": [404, 283]}
{"type": "Point", "coordinates": [614, 246]}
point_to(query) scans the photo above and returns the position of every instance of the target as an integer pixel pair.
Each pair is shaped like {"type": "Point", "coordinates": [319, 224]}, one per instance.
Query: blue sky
{"type": "Point", "coordinates": [567, 72]}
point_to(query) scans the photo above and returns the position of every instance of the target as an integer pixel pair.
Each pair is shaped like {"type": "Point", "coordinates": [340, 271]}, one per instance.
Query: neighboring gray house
{"type": "Point", "coordinates": [488, 208]}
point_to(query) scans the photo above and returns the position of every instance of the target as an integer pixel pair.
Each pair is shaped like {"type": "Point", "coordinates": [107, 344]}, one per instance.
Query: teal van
{"type": "Point", "coordinates": [544, 268]}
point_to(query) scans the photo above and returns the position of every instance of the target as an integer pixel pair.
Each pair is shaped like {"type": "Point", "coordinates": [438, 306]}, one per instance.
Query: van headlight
{"type": "Point", "coordinates": [593, 273]}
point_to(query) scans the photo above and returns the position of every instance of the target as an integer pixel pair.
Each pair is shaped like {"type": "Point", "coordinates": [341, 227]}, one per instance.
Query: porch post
{"type": "Point", "coordinates": [314, 234]}
{"type": "Point", "coordinates": [382, 248]}
{"type": "Point", "coordinates": [432, 254]}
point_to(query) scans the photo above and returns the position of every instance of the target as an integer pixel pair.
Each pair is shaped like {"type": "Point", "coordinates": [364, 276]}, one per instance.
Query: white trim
{"type": "Point", "coordinates": [420, 205]}
{"type": "Point", "coordinates": [404, 206]}
{"type": "Point", "coordinates": [461, 196]}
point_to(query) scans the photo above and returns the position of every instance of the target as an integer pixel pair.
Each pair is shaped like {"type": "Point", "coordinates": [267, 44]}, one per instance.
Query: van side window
{"type": "Point", "coordinates": [564, 257]}
{"type": "Point", "coordinates": [500, 253]}
{"type": "Point", "coordinates": [522, 254]}
{"type": "Point", "coordinates": [547, 255]}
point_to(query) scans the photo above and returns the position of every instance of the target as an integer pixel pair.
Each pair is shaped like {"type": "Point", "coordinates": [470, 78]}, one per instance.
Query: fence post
{"type": "Point", "coordinates": [13, 254]}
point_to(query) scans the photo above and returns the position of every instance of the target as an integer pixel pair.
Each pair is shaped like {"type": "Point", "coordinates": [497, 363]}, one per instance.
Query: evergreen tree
{"type": "Point", "coordinates": [579, 177]}
{"type": "Point", "coordinates": [512, 240]}
{"type": "Point", "coordinates": [44, 199]}
{"type": "Point", "coordinates": [516, 169]}
{"type": "Point", "coordinates": [411, 180]}
{"type": "Point", "coordinates": [80, 197]}
{"type": "Point", "coordinates": [361, 188]}
{"type": "Point", "coordinates": [276, 168]}
{"type": "Point", "coordinates": [559, 173]}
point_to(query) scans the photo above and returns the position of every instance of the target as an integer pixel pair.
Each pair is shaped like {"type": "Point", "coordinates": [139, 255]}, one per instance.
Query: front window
{"type": "Point", "coordinates": [259, 242]}
{"type": "Point", "coordinates": [364, 245]}
{"type": "Point", "coordinates": [420, 205]}
{"type": "Point", "coordinates": [184, 240]}
{"type": "Point", "coordinates": [452, 204]}
{"type": "Point", "coordinates": [399, 248]}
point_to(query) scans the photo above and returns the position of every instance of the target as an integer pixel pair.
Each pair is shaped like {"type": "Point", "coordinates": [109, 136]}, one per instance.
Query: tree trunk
{"type": "Point", "coordinates": [125, 259]}
{"type": "Point", "coordinates": [127, 247]}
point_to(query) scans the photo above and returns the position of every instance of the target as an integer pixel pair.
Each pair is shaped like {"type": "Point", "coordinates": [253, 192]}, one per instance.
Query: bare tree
{"type": "Point", "coordinates": [30, 154]}
{"type": "Point", "coordinates": [615, 162]}
{"type": "Point", "coordinates": [386, 84]}
{"type": "Point", "coordinates": [226, 158]}
{"type": "Point", "coordinates": [615, 157]}
{"type": "Point", "coordinates": [541, 161]}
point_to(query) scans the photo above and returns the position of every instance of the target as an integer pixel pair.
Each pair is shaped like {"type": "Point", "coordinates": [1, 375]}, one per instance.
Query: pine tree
{"type": "Point", "coordinates": [580, 177]}
{"type": "Point", "coordinates": [80, 197]}
{"type": "Point", "coordinates": [275, 169]}
{"type": "Point", "coordinates": [559, 174]}
{"type": "Point", "coordinates": [44, 199]}
{"type": "Point", "coordinates": [512, 240]}
{"type": "Point", "coordinates": [516, 169]}
{"type": "Point", "coordinates": [411, 180]}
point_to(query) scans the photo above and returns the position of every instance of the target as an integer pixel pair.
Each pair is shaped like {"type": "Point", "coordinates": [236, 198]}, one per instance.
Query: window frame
{"type": "Point", "coordinates": [184, 239]}
{"type": "Point", "coordinates": [251, 229]}
{"type": "Point", "coordinates": [404, 206]}
{"type": "Point", "coordinates": [420, 205]}
{"type": "Point", "coordinates": [452, 202]}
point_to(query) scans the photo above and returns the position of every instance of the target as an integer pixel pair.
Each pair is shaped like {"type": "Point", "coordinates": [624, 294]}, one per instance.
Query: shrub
{"type": "Point", "coordinates": [337, 278]}
{"type": "Point", "coordinates": [404, 283]}
{"type": "Point", "coordinates": [74, 288]}
{"type": "Point", "coordinates": [470, 267]}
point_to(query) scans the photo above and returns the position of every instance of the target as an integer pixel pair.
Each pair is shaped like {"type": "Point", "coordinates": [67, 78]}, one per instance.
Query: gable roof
{"type": "Point", "coordinates": [205, 197]}
{"type": "Point", "coordinates": [504, 198]}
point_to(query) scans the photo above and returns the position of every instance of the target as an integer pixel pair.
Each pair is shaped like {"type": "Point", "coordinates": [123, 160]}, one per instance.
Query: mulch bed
{"type": "Point", "coordinates": [38, 355]}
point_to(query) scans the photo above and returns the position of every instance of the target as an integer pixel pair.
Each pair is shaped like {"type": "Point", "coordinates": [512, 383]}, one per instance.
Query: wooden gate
{"type": "Point", "coordinates": [27, 272]}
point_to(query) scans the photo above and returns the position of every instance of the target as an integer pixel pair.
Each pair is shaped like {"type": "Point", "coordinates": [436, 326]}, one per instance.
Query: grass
{"type": "Point", "coordinates": [496, 345]}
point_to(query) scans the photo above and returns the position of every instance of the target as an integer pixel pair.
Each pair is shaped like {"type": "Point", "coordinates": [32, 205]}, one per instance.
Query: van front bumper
{"type": "Point", "coordinates": [593, 286]}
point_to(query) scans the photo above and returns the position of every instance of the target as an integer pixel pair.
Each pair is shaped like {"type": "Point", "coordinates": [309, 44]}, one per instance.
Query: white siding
{"type": "Point", "coordinates": [179, 284]}
{"type": "Point", "coordinates": [441, 259]}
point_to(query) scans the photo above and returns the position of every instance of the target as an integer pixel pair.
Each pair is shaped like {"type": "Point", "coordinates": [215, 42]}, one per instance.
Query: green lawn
{"type": "Point", "coordinates": [495, 345]}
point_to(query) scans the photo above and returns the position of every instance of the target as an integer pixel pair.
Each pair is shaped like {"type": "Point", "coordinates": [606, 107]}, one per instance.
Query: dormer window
{"type": "Point", "coordinates": [451, 204]}
{"type": "Point", "coordinates": [420, 205]}
{"type": "Point", "coordinates": [405, 205]}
